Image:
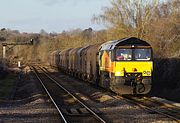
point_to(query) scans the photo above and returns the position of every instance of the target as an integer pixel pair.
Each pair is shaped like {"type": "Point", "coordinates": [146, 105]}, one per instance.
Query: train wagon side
{"type": "Point", "coordinates": [78, 65]}
{"type": "Point", "coordinates": [54, 58]}
{"type": "Point", "coordinates": [83, 66]}
{"type": "Point", "coordinates": [50, 59]}
{"type": "Point", "coordinates": [71, 57]}
{"type": "Point", "coordinates": [92, 66]}
{"type": "Point", "coordinates": [75, 61]}
{"type": "Point", "coordinates": [64, 60]}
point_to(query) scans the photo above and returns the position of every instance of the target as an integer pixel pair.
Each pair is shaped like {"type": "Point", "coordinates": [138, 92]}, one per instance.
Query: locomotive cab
{"type": "Point", "coordinates": [127, 65]}
{"type": "Point", "coordinates": [134, 68]}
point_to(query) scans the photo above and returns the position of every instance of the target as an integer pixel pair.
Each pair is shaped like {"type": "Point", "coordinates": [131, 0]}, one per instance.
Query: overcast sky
{"type": "Point", "coordinates": [50, 15]}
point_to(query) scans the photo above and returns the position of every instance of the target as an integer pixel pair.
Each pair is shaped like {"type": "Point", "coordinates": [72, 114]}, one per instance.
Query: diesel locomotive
{"type": "Point", "coordinates": [124, 66]}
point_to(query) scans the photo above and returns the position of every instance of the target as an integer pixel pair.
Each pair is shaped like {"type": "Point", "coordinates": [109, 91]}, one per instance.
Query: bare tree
{"type": "Point", "coordinates": [130, 16]}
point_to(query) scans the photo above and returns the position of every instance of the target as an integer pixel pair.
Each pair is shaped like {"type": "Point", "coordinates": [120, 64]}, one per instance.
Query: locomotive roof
{"type": "Point", "coordinates": [132, 41]}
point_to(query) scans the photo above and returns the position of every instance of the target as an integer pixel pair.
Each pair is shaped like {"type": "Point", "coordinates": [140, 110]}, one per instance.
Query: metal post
{"type": "Point", "coordinates": [4, 57]}
{"type": "Point", "coordinates": [19, 64]}
{"type": "Point", "coordinates": [4, 52]}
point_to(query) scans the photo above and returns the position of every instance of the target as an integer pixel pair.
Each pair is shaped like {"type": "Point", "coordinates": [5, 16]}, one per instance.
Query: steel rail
{"type": "Point", "coordinates": [171, 109]}
{"type": "Point", "coordinates": [60, 112]}
{"type": "Point", "coordinates": [130, 100]}
{"type": "Point", "coordinates": [150, 109]}
{"type": "Point", "coordinates": [89, 109]}
{"type": "Point", "coordinates": [168, 105]}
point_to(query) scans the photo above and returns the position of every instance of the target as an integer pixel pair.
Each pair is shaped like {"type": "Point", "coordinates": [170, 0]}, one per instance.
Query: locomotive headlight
{"type": "Point", "coordinates": [118, 73]}
{"type": "Point", "coordinates": [148, 73]}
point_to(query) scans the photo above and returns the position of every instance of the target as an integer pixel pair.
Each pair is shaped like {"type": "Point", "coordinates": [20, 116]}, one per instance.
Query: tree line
{"type": "Point", "coordinates": [152, 20]}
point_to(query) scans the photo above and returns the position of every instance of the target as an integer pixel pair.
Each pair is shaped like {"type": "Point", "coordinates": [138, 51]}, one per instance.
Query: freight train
{"type": "Point", "coordinates": [123, 66]}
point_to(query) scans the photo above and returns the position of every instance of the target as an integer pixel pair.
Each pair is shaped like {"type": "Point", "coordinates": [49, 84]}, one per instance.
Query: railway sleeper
{"type": "Point", "coordinates": [76, 111]}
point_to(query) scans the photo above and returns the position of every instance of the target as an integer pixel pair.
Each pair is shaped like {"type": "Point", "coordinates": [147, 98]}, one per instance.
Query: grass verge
{"type": "Point", "coordinates": [6, 86]}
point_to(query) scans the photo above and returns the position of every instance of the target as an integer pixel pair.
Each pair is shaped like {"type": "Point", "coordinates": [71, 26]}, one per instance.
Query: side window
{"type": "Point", "coordinates": [110, 54]}
{"type": "Point", "coordinates": [100, 57]}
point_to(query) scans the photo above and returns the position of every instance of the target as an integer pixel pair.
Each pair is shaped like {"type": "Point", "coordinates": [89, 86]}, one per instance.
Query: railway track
{"type": "Point", "coordinates": [154, 106]}
{"type": "Point", "coordinates": [70, 108]}
{"type": "Point", "coordinates": [151, 105]}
